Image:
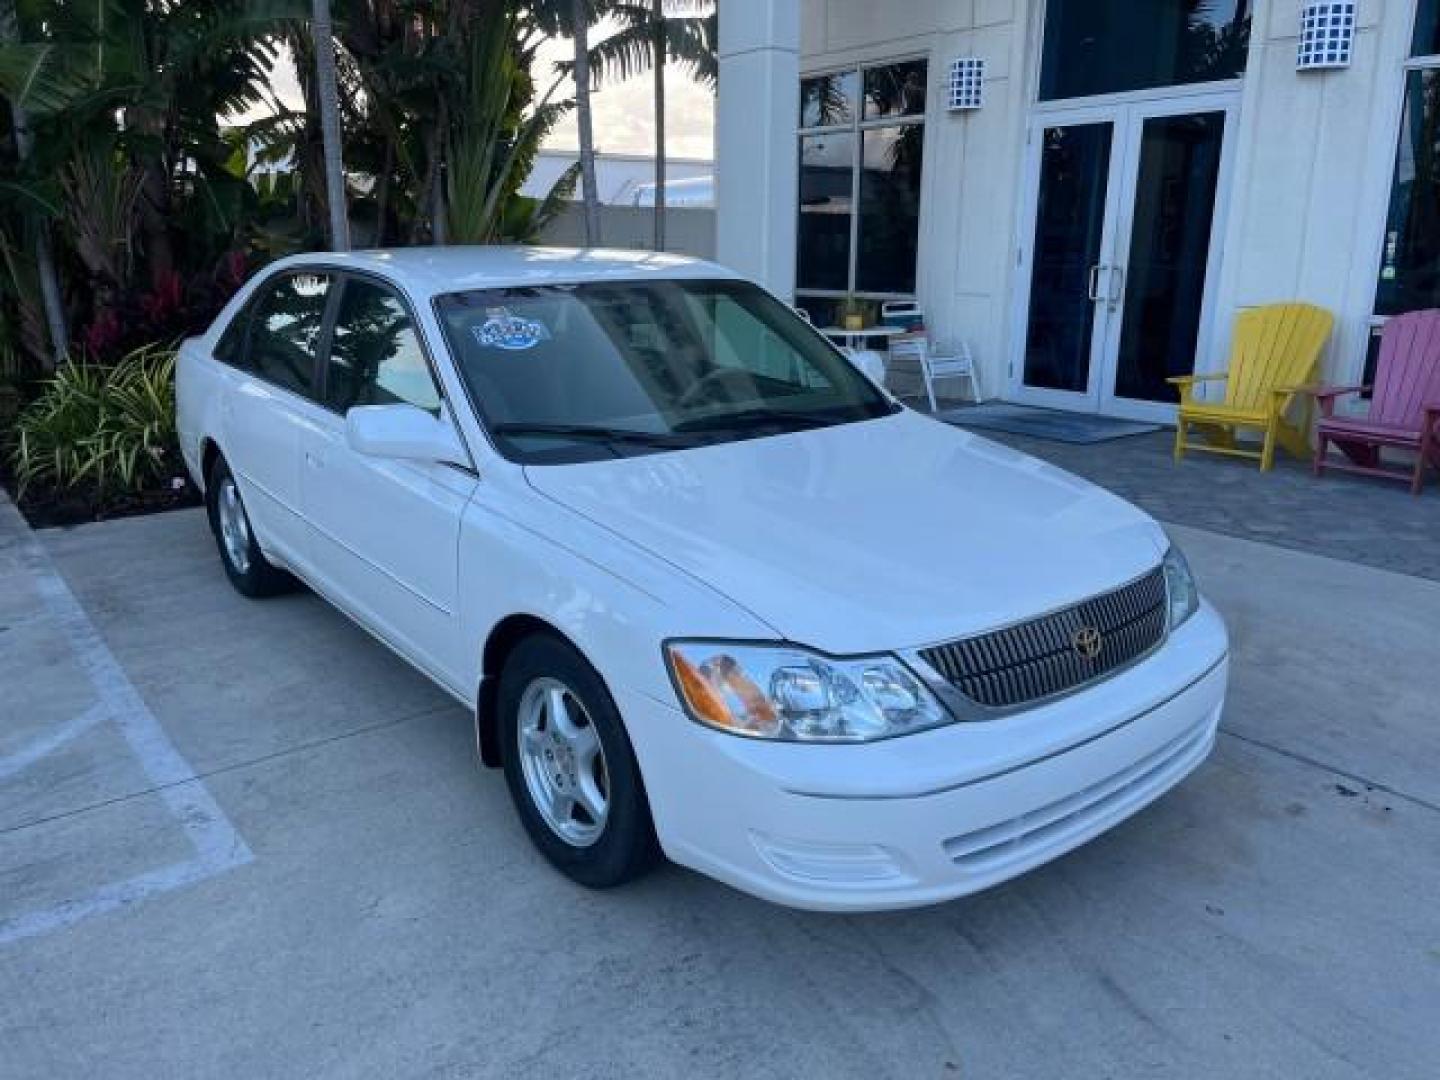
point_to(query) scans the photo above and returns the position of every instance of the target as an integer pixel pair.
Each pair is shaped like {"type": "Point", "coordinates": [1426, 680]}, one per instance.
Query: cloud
{"type": "Point", "coordinates": [624, 112]}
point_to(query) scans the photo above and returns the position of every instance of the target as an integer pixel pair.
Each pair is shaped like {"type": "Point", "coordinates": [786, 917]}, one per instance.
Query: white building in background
{"type": "Point", "coordinates": [1133, 174]}
{"type": "Point", "coordinates": [628, 179]}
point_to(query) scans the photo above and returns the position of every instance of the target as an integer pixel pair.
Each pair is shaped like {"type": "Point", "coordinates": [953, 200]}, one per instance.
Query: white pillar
{"type": "Point", "coordinates": [756, 155]}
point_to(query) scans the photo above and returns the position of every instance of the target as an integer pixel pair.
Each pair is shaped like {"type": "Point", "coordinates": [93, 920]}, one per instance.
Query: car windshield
{"type": "Point", "coordinates": [579, 372]}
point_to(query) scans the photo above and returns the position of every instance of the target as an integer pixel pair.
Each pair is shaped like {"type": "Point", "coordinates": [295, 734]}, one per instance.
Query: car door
{"type": "Point", "coordinates": [268, 404]}
{"type": "Point", "coordinates": [385, 533]}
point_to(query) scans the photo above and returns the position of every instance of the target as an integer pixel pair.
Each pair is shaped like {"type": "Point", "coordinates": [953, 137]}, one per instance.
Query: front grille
{"type": "Point", "coordinates": [1037, 659]}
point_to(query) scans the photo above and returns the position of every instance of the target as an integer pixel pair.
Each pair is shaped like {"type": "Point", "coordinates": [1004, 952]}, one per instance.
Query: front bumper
{"type": "Point", "coordinates": [937, 815]}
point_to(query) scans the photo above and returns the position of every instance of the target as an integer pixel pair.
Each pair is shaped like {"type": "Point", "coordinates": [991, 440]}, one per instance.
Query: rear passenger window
{"type": "Point", "coordinates": [285, 331]}
{"type": "Point", "coordinates": [375, 354]}
{"type": "Point", "coordinates": [230, 349]}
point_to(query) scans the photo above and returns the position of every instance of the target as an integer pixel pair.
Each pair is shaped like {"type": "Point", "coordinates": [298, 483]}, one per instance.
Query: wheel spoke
{"type": "Point", "coordinates": [588, 795]}
{"type": "Point", "coordinates": [586, 744]}
{"type": "Point", "coordinates": [562, 806]}
{"type": "Point", "coordinates": [557, 713]}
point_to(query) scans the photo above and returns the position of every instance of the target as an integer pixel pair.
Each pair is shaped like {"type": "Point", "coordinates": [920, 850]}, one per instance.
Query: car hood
{"type": "Point", "coordinates": [889, 533]}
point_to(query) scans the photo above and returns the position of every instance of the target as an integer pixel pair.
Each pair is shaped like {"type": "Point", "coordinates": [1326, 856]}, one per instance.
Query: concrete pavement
{"type": "Point", "coordinates": [360, 900]}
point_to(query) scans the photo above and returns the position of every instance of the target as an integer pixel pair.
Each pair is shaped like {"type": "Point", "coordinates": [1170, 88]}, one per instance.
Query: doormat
{"type": "Point", "coordinates": [1053, 424]}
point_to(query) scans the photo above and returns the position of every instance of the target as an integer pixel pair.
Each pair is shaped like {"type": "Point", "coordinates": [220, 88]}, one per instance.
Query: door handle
{"type": "Point", "coordinates": [1093, 290]}
{"type": "Point", "coordinates": [1117, 285]}
{"type": "Point", "coordinates": [315, 461]}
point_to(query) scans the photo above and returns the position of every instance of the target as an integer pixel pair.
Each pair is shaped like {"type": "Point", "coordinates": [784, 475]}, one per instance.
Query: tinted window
{"type": "Point", "coordinates": [889, 209]}
{"type": "Point", "coordinates": [665, 364]}
{"type": "Point", "coordinates": [895, 90]}
{"type": "Point", "coordinates": [230, 349]}
{"type": "Point", "coordinates": [1427, 29]}
{"type": "Point", "coordinates": [1108, 46]}
{"type": "Point", "coordinates": [1410, 258]}
{"type": "Point", "coordinates": [375, 354]}
{"type": "Point", "coordinates": [827, 164]}
{"type": "Point", "coordinates": [827, 100]}
{"type": "Point", "coordinates": [285, 332]}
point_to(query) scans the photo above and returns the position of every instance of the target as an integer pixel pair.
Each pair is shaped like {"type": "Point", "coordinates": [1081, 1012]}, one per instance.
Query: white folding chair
{"type": "Point", "coordinates": [933, 366]}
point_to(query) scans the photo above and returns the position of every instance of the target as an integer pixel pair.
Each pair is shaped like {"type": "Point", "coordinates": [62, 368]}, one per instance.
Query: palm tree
{"type": "Point", "coordinates": [49, 281]}
{"type": "Point", "coordinates": [323, 36]}
{"type": "Point", "coordinates": [579, 30]}
{"type": "Point", "coordinates": [651, 33]}
{"type": "Point", "coordinates": [573, 19]}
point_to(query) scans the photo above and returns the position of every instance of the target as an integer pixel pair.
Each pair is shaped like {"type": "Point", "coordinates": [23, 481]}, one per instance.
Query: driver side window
{"type": "Point", "coordinates": [375, 353]}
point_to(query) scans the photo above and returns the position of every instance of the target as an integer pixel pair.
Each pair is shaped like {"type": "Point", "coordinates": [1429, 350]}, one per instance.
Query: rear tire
{"type": "Point", "coordinates": [245, 564]}
{"type": "Point", "coordinates": [570, 767]}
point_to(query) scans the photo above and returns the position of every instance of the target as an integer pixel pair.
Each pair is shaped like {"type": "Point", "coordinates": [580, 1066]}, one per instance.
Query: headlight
{"type": "Point", "coordinates": [1180, 587]}
{"type": "Point", "coordinates": [790, 694]}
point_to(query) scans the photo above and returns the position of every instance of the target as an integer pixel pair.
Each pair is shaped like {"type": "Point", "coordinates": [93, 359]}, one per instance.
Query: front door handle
{"type": "Point", "coordinates": [1092, 292]}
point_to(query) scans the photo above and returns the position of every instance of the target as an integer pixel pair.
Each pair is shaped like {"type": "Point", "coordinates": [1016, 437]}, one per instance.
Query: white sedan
{"type": "Point", "coordinates": [707, 591]}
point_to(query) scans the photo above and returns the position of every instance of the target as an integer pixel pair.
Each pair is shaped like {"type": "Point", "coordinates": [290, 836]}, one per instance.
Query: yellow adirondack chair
{"type": "Point", "coordinates": [1275, 354]}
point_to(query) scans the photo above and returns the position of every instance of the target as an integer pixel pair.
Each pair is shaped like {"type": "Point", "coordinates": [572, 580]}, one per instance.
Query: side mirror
{"type": "Point", "coordinates": [404, 432]}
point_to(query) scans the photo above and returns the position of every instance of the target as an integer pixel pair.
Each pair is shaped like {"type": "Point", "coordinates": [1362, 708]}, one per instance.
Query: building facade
{"type": "Point", "coordinates": [1132, 175]}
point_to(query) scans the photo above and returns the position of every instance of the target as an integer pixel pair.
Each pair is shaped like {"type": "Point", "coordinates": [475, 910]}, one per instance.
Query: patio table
{"type": "Point", "coordinates": [858, 339]}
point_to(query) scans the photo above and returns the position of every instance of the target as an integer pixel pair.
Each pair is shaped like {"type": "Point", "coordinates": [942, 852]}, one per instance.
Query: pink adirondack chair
{"type": "Point", "coordinates": [1404, 409]}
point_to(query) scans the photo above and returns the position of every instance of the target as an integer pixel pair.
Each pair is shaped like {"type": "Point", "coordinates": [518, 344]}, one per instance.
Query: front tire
{"type": "Point", "coordinates": [245, 564]}
{"type": "Point", "coordinates": [570, 767]}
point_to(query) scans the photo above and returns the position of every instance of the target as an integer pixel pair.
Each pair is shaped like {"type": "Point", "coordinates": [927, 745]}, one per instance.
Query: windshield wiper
{"type": "Point", "coordinates": [747, 419]}
{"type": "Point", "coordinates": [596, 432]}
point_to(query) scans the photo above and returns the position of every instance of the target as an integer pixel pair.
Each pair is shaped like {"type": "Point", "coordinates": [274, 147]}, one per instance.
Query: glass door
{"type": "Point", "coordinates": [1072, 162]}
{"type": "Point", "coordinates": [1124, 253]}
{"type": "Point", "coordinates": [1168, 250]}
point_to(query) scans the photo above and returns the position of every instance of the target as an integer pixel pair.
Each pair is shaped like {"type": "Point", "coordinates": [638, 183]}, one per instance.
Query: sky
{"type": "Point", "coordinates": [624, 112]}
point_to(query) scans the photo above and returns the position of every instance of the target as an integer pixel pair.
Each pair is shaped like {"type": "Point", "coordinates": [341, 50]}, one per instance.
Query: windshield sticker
{"type": "Point", "coordinates": [509, 332]}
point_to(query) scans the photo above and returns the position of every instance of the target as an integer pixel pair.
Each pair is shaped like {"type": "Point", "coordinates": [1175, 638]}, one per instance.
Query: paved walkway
{"type": "Point", "coordinates": [365, 903]}
{"type": "Point", "coordinates": [1347, 517]}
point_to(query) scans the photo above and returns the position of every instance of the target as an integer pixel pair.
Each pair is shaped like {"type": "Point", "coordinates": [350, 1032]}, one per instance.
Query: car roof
{"type": "Point", "coordinates": [429, 271]}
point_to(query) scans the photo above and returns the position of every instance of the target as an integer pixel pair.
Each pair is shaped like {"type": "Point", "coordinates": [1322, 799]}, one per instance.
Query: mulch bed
{"type": "Point", "coordinates": [49, 509]}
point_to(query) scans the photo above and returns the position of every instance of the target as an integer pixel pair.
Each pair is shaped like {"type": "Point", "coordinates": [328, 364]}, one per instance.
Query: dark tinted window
{"type": "Point", "coordinates": [1108, 46]}
{"type": "Point", "coordinates": [375, 354]}
{"type": "Point", "coordinates": [827, 174]}
{"type": "Point", "coordinates": [285, 332]}
{"type": "Point", "coordinates": [889, 209]}
{"type": "Point", "coordinates": [827, 100]}
{"type": "Point", "coordinates": [895, 90]}
{"type": "Point", "coordinates": [230, 349]}
{"type": "Point", "coordinates": [1427, 29]}
{"type": "Point", "coordinates": [1410, 258]}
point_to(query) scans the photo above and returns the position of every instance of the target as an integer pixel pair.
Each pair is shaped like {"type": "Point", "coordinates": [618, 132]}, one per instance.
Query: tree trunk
{"type": "Point", "coordinates": [590, 195]}
{"type": "Point", "coordinates": [44, 256]}
{"type": "Point", "coordinates": [657, 16]}
{"type": "Point", "coordinates": [439, 209]}
{"type": "Point", "coordinates": [323, 37]}
{"type": "Point", "coordinates": [382, 193]}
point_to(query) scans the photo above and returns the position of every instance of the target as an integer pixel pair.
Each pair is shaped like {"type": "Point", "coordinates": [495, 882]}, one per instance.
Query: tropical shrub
{"type": "Point", "coordinates": [102, 432]}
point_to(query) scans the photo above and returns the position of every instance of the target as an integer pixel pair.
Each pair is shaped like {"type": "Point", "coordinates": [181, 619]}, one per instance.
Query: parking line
{"type": "Point", "coordinates": [218, 847]}
{"type": "Point", "coordinates": [26, 756]}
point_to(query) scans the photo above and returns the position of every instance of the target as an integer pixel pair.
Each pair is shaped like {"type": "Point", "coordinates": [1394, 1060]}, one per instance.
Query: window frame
{"type": "Point", "coordinates": [857, 126]}
{"type": "Point", "coordinates": [1362, 371]}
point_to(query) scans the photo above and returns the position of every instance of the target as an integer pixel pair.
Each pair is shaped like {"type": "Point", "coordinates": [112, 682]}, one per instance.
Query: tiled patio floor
{"type": "Point", "coordinates": [1365, 521]}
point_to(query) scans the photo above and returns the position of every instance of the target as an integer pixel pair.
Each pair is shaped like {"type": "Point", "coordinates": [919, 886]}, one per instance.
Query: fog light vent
{"type": "Point", "coordinates": [833, 864]}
